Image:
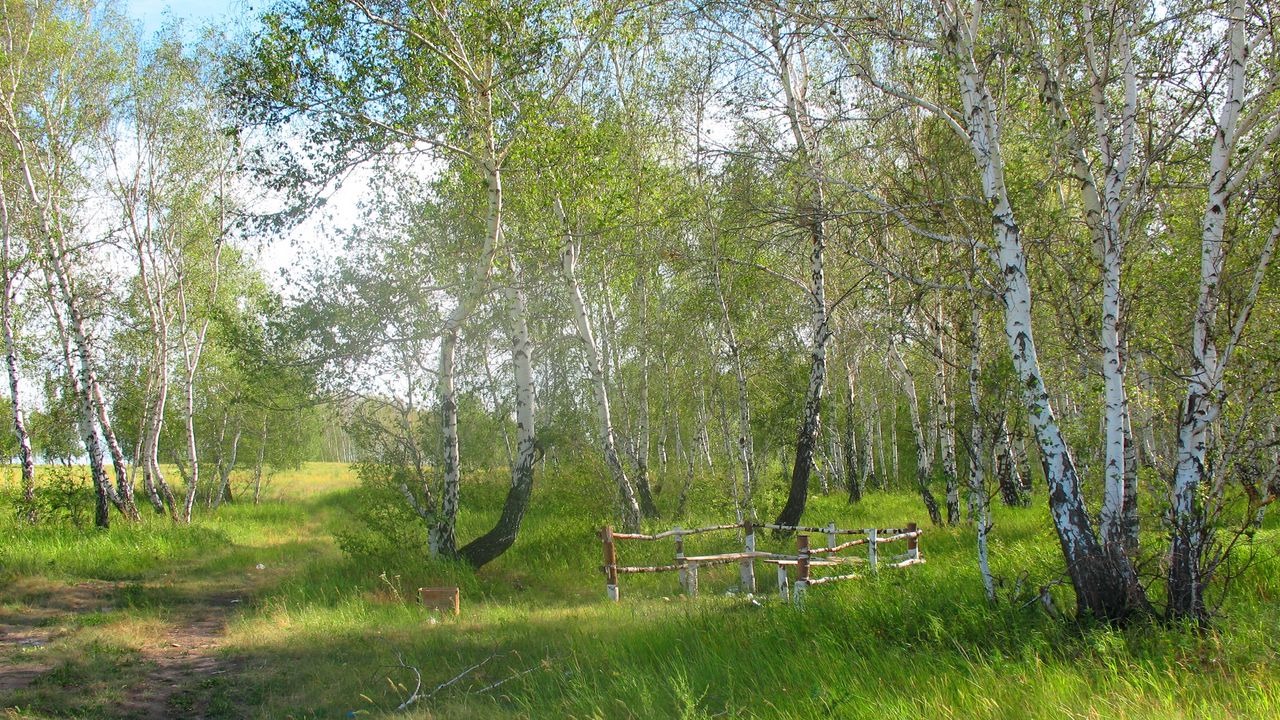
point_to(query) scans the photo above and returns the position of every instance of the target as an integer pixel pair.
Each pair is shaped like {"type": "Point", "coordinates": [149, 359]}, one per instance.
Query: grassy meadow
{"type": "Point", "coordinates": [306, 630]}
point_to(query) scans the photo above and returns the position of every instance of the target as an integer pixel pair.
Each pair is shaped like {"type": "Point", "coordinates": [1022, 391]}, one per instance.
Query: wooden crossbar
{"type": "Point", "coordinates": [806, 557]}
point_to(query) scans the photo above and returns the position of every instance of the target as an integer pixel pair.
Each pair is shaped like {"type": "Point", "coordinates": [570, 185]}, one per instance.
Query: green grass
{"type": "Point", "coordinates": [322, 633]}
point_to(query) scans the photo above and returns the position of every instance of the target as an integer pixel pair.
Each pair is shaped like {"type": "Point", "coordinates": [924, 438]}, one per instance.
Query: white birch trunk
{"type": "Point", "coordinates": [485, 548]}
{"type": "Point", "coordinates": [946, 424]}
{"type": "Point", "coordinates": [1103, 584]}
{"type": "Point", "coordinates": [924, 453]}
{"type": "Point", "coordinates": [1205, 383]}
{"type": "Point", "coordinates": [568, 262]}
{"type": "Point", "coordinates": [793, 73]}
{"type": "Point", "coordinates": [442, 538]}
{"type": "Point", "coordinates": [25, 455]}
{"type": "Point", "coordinates": [977, 457]}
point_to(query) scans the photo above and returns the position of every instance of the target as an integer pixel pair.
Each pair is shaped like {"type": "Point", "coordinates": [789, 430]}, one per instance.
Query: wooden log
{"type": "Point", "coordinates": [747, 566]}
{"type": "Point", "coordinates": [838, 548]}
{"type": "Point", "coordinates": [904, 535]}
{"type": "Point", "coordinates": [674, 532]}
{"type": "Point", "coordinates": [447, 599]}
{"type": "Point", "coordinates": [908, 563]}
{"type": "Point", "coordinates": [610, 564]}
{"type": "Point", "coordinates": [913, 543]}
{"type": "Point", "coordinates": [633, 569]}
{"type": "Point", "coordinates": [832, 578]}
{"type": "Point", "coordinates": [813, 561]}
{"type": "Point", "coordinates": [801, 528]}
{"type": "Point", "coordinates": [733, 556]}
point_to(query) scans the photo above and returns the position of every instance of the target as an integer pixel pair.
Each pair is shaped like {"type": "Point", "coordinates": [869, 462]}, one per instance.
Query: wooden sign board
{"type": "Point", "coordinates": [447, 599]}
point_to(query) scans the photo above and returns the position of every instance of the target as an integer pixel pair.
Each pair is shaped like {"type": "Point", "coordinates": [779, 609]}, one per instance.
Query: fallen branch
{"type": "Point", "coordinates": [416, 696]}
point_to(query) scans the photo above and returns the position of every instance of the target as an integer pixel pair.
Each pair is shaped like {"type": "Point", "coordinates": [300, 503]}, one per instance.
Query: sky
{"type": "Point", "coordinates": [312, 237]}
{"type": "Point", "coordinates": [153, 13]}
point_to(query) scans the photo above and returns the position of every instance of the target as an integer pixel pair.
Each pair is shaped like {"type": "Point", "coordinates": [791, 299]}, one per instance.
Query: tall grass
{"type": "Point", "coordinates": [324, 632]}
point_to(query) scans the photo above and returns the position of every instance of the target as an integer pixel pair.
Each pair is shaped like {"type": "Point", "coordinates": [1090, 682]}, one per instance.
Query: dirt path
{"type": "Point", "coordinates": [186, 656]}
{"type": "Point", "coordinates": [165, 676]}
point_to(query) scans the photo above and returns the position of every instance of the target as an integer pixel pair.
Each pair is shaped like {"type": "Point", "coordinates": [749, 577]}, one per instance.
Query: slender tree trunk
{"type": "Point", "coordinates": [219, 464]}
{"type": "Point", "coordinates": [492, 544]}
{"type": "Point", "coordinates": [122, 496]}
{"type": "Point", "coordinates": [793, 73]}
{"type": "Point", "coordinates": [443, 534]}
{"type": "Point", "coordinates": [86, 421]}
{"type": "Point", "coordinates": [924, 453]}
{"type": "Point", "coordinates": [631, 511]}
{"type": "Point", "coordinates": [647, 505]}
{"type": "Point", "coordinates": [746, 446]}
{"type": "Point", "coordinates": [883, 449]}
{"type": "Point", "coordinates": [978, 454]}
{"type": "Point", "coordinates": [1104, 583]}
{"type": "Point", "coordinates": [947, 430]}
{"type": "Point", "coordinates": [25, 456]}
{"type": "Point", "coordinates": [732, 467]}
{"type": "Point", "coordinates": [892, 418]}
{"type": "Point", "coordinates": [1129, 517]}
{"type": "Point", "coordinates": [1010, 491]}
{"type": "Point", "coordinates": [868, 453]}
{"type": "Point", "coordinates": [257, 468]}
{"type": "Point", "coordinates": [1191, 536]}
{"type": "Point", "coordinates": [1021, 461]}
{"type": "Point", "coordinates": [224, 470]}
{"type": "Point", "coordinates": [852, 478]}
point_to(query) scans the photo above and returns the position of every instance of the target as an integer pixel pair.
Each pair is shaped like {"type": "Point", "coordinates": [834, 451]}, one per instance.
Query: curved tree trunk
{"type": "Point", "coordinates": [489, 546]}
{"type": "Point", "coordinates": [792, 71]}
{"type": "Point", "coordinates": [1104, 583]}
{"type": "Point", "coordinates": [443, 535]}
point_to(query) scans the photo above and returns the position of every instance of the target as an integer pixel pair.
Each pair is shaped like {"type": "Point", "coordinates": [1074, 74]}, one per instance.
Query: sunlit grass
{"type": "Point", "coordinates": [322, 633]}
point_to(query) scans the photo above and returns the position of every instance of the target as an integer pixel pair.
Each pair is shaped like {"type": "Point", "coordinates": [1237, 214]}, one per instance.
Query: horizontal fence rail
{"type": "Point", "coordinates": [804, 560]}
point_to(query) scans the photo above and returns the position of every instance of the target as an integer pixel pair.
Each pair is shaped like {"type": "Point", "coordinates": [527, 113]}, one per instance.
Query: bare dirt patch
{"type": "Point", "coordinates": [174, 665]}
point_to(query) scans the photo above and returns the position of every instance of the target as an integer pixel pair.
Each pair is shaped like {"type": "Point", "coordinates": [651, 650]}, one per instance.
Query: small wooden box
{"type": "Point", "coordinates": [447, 599]}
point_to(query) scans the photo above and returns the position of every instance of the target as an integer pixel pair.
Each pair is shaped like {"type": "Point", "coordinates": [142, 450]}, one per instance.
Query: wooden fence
{"type": "Point", "coordinates": [806, 559]}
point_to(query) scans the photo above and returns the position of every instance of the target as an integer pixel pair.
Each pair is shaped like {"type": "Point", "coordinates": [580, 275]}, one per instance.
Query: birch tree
{"type": "Point", "coordinates": [58, 77]}
{"type": "Point", "coordinates": [1247, 128]}
{"type": "Point", "coordinates": [1105, 585]}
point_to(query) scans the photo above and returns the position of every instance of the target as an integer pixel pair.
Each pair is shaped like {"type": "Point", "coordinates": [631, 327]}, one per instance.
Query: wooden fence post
{"type": "Point", "coordinates": [802, 568]}
{"type": "Point", "coordinates": [747, 568]}
{"type": "Point", "coordinates": [913, 543]}
{"type": "Point", "coordinates": [610, 563]}
{"type": "Point", "coordinates": [683, 571]}
{"type": "Point", "coordinates": [872, 549]}
{"type": "Point", "coordinates": [782, 581]}
{"type": "Point", "coordinates": [831, 535]}
{"type": "Point", "coordinates": [693, 580]}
